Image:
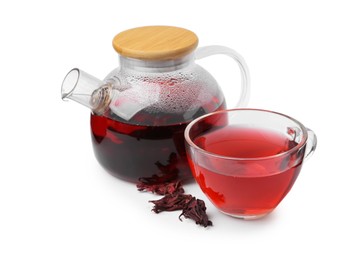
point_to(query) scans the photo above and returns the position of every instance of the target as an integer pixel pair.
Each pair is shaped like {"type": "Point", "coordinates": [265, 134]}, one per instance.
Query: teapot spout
{"type": "Point", "coordinates": [87, 90]}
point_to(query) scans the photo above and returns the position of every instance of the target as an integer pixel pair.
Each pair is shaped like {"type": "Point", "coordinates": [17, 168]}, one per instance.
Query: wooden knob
{"type": "Point", "coordinates": [155, 42]}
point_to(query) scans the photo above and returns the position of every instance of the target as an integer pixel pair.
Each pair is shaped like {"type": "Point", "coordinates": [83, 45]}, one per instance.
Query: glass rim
{"type": "Point", "coordinates": [227, 111]}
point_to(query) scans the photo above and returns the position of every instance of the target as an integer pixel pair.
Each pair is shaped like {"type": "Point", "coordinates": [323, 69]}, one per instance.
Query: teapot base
{"type": "Point", "coordinates": [131, 152]}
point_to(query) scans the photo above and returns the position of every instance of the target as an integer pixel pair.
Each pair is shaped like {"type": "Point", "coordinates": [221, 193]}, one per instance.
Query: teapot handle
{"type": "Point", "coordinates": [206, 51]}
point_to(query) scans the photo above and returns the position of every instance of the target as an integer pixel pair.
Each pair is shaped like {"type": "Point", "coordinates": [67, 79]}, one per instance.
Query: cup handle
{"type": "Point", "coordinates": [206, 51]}
{"type": "Point", "coordinates": [310, 144]}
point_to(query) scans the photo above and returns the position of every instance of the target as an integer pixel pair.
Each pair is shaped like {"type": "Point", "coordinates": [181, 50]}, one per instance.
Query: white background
{"type": "Point", "coordinates": [56, 202]}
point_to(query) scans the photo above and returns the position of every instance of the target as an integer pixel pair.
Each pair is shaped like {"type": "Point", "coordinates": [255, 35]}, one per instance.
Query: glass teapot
{"type": "Point", "coordinates": [140, 110]}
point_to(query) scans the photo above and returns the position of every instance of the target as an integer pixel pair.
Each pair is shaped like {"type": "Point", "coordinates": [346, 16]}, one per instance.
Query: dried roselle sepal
{"type": "Point", "coordinates": [174, 187]}
{"type": "Point", "coordinates": [158, 178]}
{"type": "Point", "coordinates": [170, 166]}
{"type": "Point", "coordinates": [171, 202]}
{"type": "Point", "coordinates": [167, 173]}
{"type": "Point", "coordinates": [195, 209]}
{"type": "Point", "coordinates": [161, 188]}
{"type": "Point", "coordinates": [154, 179]}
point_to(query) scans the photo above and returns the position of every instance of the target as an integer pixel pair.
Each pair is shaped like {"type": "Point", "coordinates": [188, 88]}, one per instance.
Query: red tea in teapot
{"type": "Point", "coordinates": [141, 149]}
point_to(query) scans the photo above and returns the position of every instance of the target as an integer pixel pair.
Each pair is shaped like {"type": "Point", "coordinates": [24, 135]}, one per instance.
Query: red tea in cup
{"type": "Point", "coordinates": [245, 160]}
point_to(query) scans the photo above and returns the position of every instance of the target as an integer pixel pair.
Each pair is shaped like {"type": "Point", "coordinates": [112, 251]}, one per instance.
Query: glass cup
{"type": "Point", "coordinates": [247, 160]}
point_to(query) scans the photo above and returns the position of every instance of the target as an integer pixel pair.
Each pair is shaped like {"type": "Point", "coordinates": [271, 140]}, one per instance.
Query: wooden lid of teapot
{"type": "Point", "coordinates": [155, 42]}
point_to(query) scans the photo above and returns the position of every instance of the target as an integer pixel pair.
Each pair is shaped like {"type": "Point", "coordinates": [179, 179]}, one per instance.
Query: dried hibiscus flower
{"type": "Point", "coordinates": [171, 202]}
{"type": "Point", "coordinates": [195, 209]}
{"type": "Point", "coordinates": [167, 172]}
{"type": "Point", "coordinates": [161, 188]}
{"type": "Point", "coordinates": [174, 198]}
